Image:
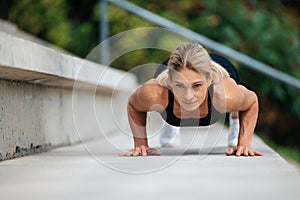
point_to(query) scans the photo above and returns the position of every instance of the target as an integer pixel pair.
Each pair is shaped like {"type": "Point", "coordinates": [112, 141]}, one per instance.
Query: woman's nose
{"type": "Point", "coordinates": [189, 94]}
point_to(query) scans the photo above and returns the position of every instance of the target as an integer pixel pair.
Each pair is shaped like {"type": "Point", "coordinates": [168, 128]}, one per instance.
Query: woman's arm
{"type": "Point", "coordinates": [144, 99]}
{"type": "Point", "coordinates": [248, 119]}
{"type": "Point", "coordinates": [239, 98]}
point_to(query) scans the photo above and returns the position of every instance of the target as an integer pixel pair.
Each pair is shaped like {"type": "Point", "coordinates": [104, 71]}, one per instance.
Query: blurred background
{"type": "Point", "coordinates": [267, 30]}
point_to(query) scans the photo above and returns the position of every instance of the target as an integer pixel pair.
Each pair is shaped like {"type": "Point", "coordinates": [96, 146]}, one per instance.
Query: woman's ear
{"type": "Point", "coordinates": [169, 82]}
{"type": "Point", "coordinates": [209, 80]}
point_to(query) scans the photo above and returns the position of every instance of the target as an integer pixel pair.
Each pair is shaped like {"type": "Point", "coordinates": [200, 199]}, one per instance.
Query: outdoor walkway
{"type": "Point", "coordinates": [93, 170]}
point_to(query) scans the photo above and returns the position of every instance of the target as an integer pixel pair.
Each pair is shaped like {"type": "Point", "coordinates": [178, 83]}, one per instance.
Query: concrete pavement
{"type": "Point", "coordinates": [198, 169]}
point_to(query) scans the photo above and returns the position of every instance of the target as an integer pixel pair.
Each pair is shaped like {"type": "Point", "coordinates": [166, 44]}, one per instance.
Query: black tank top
{"type": "Point", "coordinates": [212, 117]}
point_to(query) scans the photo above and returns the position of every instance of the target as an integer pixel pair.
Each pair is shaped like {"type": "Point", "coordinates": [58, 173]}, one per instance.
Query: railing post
{"type": "Point", "coordinates": [103, 33]}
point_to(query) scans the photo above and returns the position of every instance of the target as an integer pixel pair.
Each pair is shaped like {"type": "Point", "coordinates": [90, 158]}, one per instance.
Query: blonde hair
{"type": "Point", "coordinates": [194, 57]}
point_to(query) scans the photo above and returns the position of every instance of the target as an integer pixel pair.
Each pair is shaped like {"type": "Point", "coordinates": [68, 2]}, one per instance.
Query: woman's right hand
{"type": "Point", "coordinates": [141, 151]}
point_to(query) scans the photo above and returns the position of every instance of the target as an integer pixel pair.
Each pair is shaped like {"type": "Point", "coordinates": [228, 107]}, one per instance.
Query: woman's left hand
{"type": "Point", "coordinates": [242, 150]}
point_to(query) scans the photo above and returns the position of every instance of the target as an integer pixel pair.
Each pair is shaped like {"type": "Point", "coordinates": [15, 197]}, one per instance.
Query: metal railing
{"type": "Point", "coordinates": [229, 52]}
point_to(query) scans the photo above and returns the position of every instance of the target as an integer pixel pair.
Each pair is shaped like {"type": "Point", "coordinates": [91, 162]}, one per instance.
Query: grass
{"type": "Point", "coordinates": [286, 152]}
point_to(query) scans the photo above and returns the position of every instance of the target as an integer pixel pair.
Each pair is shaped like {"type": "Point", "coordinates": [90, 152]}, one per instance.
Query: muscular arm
{"type": "Point", "coordinates": [144, 99]}
{"type": "Point", "coordinates": [248, 118]}
{"type": "Point", "coordinates": [247, 105]}
{"type": "Point", "coordinates": [239, 98]}
{"type": "Point", "coordinates": [137, 121]}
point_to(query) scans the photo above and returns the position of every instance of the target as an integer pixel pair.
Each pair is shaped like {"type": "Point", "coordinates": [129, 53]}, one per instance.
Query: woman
{"type": "Point", "coordinates": [193, 91]}
{"type": "Point", "coordinates": [170, 135]}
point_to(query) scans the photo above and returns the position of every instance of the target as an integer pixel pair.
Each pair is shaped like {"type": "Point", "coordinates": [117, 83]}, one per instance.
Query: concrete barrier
{"type": "Point", "coordinates": [49, 99]}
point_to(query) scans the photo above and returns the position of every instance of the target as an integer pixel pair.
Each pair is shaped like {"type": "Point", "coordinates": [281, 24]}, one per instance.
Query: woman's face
{"type": "Point", "coordinates": [189, 88]}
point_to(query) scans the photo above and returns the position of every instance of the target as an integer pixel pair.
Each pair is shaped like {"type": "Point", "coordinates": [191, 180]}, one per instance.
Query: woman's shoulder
{"type": "Point", "coordinates": [228, 95]}
{"type": "Point", "coordinates": [153, 90]}
{"type": "Point", "coordinates": [151, 93]}
{"type": "Point", "coordinates": [226, 83]}
{"type": "Point", "coordinates": [223, 93]}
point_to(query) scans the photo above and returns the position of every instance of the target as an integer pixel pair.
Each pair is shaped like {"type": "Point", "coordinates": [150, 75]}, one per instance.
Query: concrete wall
{"type": "Point", "coordinates": [48, 98]}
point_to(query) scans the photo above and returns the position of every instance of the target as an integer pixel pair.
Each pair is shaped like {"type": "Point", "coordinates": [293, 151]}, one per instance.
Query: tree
{"type": "Point", "coordinates": [45, 19]}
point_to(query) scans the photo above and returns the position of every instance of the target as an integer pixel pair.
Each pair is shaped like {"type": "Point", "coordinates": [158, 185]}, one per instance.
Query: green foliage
{"type": "Point", "coordinates": [261, 29]}
{"type": "Point", "coordinates": [262, 32]}
{"type": "Point", "coordinates": [117, 26]}
{"type": "Point", "coordinates": [287, 153]}
{"type": "Point", "coordinates": [44, 18]}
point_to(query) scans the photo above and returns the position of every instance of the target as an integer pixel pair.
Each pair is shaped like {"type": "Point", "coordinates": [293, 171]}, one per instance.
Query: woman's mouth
{"type": "Point", "coordinates": [189, 102]}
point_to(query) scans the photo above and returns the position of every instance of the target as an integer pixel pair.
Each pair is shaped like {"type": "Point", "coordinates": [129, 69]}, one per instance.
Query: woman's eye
{"type": "Point", "coordinates": [197, 86]}
{"type": "Point", "coordinates": [179, 85]}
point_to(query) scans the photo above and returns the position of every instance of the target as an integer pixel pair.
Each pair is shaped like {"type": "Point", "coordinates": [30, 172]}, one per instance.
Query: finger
{"type": "Point", "coordinates": [229, 152]}
{"type": "Point", "coordinates": [257, 153]}
{"type": "Point", "coordinates": [251, 153]}
{"type": "Point", "coordinates": [144, 151]}
{"type": "Point", "coordinates": [129, 153]}
{"type": "Point", "coordinates": [239, 151]}
{"type": "Point", "coordinates": [245, 152]}
{"type": "Point", "coordinates": [136, 151]}
{"type": "Point", "coordinates": [123, 154]}
{"type": "Point", "coordinates": [153, 152]}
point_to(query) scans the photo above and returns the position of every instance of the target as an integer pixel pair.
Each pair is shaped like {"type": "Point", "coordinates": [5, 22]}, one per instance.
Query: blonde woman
{"type": "Point", "coordinates": [194, 90]}
{"type": "Point", "coordinates": [170, 135]}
